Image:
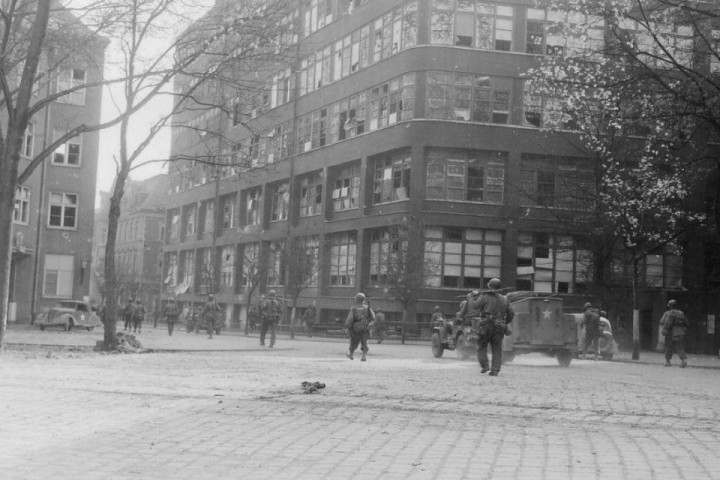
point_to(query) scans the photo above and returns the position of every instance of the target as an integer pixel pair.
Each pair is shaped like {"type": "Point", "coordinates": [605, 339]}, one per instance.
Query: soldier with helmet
{"type": "Point", "coordinates": [490, 313]}
{"type": "Point", "coordinates": [357, 323]}
{"type": "Point", "coordinates": [211, 313]}
{"type": "Point", "coordinates": [674, 326]}
{"type": "Point", "coordinates": [171, 314]}
{"type": "Point", "coordinates": [270, 311]}
{"type": "Point", "coordinates": [591, 323]}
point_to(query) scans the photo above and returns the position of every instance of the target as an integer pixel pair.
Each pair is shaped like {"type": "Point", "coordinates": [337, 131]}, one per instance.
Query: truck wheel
{"type": "Point", "coordinates": [607, 356]}
{"type": "Point", "coordinates": [437, 347]}
{"type": "Point", "coordinates": [564, 358]}
{"type": "Point", "coordinates": [69, 325]}
{"type": "Point", "coordinates": [508, 356]}
{"type": "Point", "coordinates": [462, 352]}
{"type": "Point", "coordinates": [42, 327]}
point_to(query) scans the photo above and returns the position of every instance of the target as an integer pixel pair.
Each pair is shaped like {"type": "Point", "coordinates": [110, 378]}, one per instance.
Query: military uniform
{"type": "Point", "coordinates": [138, 315]}
{"type": "Point", "coordinates": [270, 311]}
{"type": "Point", "coordinates": [171, 314]}
{"type": "Point", "coordinates": [591, 322]}
{"type": "Point", "coordinates": [210, 314]}
{"type": "Point", "coordinates": [489, 313]}
{"type": "Point", "coordinates": [357, 324]}
{"type": "Point", "coordinates": [674, 327]}
{"type": "Point", "coordinates": [309, 320]}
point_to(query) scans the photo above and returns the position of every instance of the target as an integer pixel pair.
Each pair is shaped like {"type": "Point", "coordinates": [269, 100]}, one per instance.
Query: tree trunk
{"type": "Point", "coordinates": [247, 310]}
{"type": "Point", "coordinates": [293, 314]}
{"type": "Point", "coordinates": [636, 313]}
{"type": "Point", "coordinates": [7, 205]}
{"type": "Point", "coordinates": [402, 325]}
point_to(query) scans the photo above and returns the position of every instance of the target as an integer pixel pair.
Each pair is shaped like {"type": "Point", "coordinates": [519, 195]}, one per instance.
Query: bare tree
{"type": "Point", "coordinates": [230, 43]}
{"type": "Point", "coordinates": [303, 261]}
{"type": "Point", "coordinates": [251, 277]}
{"type": "Point", "coordinates": [397, 268]}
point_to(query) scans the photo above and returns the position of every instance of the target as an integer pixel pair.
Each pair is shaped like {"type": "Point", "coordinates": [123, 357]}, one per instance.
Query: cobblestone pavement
{"type": "Point", "coordinates": [240, 413]}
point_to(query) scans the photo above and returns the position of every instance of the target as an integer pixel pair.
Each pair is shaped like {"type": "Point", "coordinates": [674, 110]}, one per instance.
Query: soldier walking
{"type": "Point", "coordinates": [171, 314]}
{"type": "Point", "coordinates": [674, 326]}
{"type": "Point", "coordinates": [210, 314]}
{"type": "Point", "coordinates": [357, 323]}
{"type": "Point", "coordinates": [270, 311]}
{"type": "Point", "coordinates": [138, 315]}
{"type": "Point", "coordinates": [591, 322]}
{"type": "Point", "coordinates": [308, 318]}
{"type": "Point", "coordinates": [490, 313]}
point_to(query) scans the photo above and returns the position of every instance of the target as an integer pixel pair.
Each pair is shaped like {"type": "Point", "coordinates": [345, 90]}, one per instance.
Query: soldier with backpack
{"type": "Point", "coordinates": [674, 326]}
{"type": "Point", "coordinates": [270, 310]}
{"type": "Point", "coordinates": [171, 314]}
{"type": "Point", "coordinates": [138, 315]}
{"type": "Point", "coordinates": [357, 324]}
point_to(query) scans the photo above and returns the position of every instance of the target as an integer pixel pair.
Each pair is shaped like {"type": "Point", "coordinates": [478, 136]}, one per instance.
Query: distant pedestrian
{"type": "Point", "coordinates": [591, 323]}
{"type": "Point", "coordinates": [490, 313]}
{"type": "Point", "coordinates": [380, 326]}
{"type": "Point", "coordinates": [138, 316]}
{"type": "Point", "coordinates": [357, 322]}
{"type": "Point", "coordinates": [171, 315]}
{"type": "Point", "coordinates": [309, 317]}
{"type": "Point", "coordinates": [127, 314]}
{"type": "Point", "coordinates": [674, 328]}
{"type": "Point", "coordinates": [270, 311]}
{"type": "Point", "coordinates": [211, 314]}
{"type": "Point", "coordinates": [252, 318]}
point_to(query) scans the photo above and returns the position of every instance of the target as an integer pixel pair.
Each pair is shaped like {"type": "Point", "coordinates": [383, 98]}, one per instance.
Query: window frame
{"type": "Point", "coordinates": [21, 210]}
{"type": "Point", "coordinates": [64, 275]}
{"type": "Point", "coordinates": [342, 246]}
{"type": "Point", "coordinates": [66, 80]}
{"type": "Point", "coordinates": [64, 207]}
{"type": "Point", "coordinates": [64, 151]}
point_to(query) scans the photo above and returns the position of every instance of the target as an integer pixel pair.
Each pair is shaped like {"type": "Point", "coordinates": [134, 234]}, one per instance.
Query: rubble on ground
{"type": "Point", "coordinates": [126, 343]}
{"type": "Point", "coordinates": [311, 387]}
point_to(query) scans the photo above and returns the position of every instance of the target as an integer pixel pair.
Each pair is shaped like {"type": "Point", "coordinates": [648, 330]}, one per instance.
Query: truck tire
{"type": "Point", "coordinates": [564, 358]}
{"type": "Point", "coordinates": [437, 346]}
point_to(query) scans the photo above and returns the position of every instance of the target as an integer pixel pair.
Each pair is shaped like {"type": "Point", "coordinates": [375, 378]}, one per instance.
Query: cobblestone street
{"type": "Point", "coordinates": [230, 409]}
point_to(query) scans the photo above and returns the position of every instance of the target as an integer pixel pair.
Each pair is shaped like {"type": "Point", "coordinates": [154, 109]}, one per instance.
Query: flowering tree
{"type": "Point", "coordinates": [610, 94]}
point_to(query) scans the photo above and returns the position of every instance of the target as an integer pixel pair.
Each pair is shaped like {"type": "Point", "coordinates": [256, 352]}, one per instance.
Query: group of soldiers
{"type": "Point", "coordinates": [133, 315]}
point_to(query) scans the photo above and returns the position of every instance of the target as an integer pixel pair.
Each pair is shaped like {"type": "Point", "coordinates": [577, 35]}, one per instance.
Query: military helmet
{"type": "Point", "coordinates": [587, 305]}
{"type": "Point", "coordinates": [271, 293]}
{"type": "Point", "coordinates": [359, 297]}
{"type": "Point", "coordinates": [171, 299]}
{"type": "Point", "coordinates": [672, 304]}
{"type": "Point", "coordinates": [494, 284]}
{"type": "Point", "coordinates": [437, 309]}
{"type": "Point", "coordinates": [211, 297]}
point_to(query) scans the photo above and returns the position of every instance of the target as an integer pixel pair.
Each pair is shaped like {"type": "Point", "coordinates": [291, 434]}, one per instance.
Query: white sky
{"type": "Point", "coordinates": [159, 149]}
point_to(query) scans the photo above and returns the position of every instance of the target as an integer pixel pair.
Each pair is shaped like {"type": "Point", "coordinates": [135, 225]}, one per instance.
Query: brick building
{"type": "Point", "coordinates": [53, 223]}
{"type": "Point", "coordinates": [399, 112]}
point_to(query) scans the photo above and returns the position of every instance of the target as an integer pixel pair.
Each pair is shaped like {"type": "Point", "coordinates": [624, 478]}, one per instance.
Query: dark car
{"type": "Point", "coordinates": [69, 314]}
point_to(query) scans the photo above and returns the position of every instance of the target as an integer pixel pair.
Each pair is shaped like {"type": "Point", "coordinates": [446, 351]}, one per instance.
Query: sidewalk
{"type": "Point", "coordinates": [157, 340]}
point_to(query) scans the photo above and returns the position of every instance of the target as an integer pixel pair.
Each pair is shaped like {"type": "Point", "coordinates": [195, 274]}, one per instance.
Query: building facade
{"type": "Point", "coordinates": [398, 116]}
{"type": "Point", "coordinates": [53, 222]}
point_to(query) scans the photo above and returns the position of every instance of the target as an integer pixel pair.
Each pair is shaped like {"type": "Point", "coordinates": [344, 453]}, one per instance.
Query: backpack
{"type": "Point", "coordinates": [360, 324]}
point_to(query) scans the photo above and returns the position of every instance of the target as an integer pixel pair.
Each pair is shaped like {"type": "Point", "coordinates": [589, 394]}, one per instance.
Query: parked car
{"type": "Point", "coordinates": [69, 314]}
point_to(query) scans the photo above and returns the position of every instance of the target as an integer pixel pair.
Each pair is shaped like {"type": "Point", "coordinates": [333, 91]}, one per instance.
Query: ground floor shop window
{"type": "Point", "coordinates": [461, 258]}
{"type": "Point", "coordinates": [551, 263]}
{"type": "Point", "coordinates": [343, 255]}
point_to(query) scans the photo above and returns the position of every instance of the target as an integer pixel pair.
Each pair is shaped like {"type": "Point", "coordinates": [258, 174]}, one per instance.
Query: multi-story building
{"type": "Point", "coordinates": [138, 251]}
{"type": "Point", "coordinates": [53, 223]}
{"type": "Point", "coordinates": [399, 112]}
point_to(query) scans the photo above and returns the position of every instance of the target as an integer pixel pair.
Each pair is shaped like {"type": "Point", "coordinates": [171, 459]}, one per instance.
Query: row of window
{"type": "Point", "coordinates": [68, 153]}
{"type": "Point", "coordinates": [62, 213]}
{"type": "Point", "coordinates": [458, 175]}
{"type": "Point", "coordinates": [454, 257]}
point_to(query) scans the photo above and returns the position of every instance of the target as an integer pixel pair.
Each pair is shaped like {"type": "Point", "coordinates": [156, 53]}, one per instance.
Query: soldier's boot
{"type": "Point", "coordinates": [667, 363]}
{"type": "Point", "coordinates": [364, 357]}
{"type": "Point", "coordinates": [349, 354]}
{"type": "Point", "coordinates": [494, 373]}
{"type": "Point", "coordinates": [683, 364]}
{"type": "Point", "coordinates": [484, 368]}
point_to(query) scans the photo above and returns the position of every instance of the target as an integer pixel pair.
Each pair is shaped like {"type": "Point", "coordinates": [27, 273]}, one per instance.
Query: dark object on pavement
{"type": "Point", "coordinates": [312, 387]}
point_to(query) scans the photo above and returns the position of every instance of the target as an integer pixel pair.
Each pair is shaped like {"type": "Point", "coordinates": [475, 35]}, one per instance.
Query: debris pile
{"type": "Point", "coordinates": [126, 343]}
{"type": "Point", "coordinates": [312, 387]}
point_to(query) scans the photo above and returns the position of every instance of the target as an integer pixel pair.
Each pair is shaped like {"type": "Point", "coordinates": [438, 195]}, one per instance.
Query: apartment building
{"type": "Point", "coordinates": [53, 219]}
{"type": "Point", "coordinates": [397, 113]}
